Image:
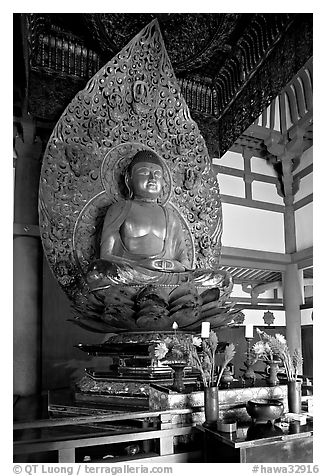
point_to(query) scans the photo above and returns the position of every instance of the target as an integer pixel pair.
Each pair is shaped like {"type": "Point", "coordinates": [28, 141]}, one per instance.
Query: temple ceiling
{"type": "Point", "coordinates": [229, 66]}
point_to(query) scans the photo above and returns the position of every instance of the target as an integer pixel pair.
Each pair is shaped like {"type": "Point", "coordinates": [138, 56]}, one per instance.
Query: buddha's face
{"type": "Point", "coordinates": [146, 180]}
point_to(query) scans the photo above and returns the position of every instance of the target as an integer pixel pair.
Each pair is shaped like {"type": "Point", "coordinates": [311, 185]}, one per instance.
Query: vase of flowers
{"type": "Point", "coordinates": [227, 377]}
{"type": "Point", "coordinates": [263, 351]}
{"type": "Point", "coordinates": [211, 406]}
{"type": "Point", "coordinates": [278, 350]}
{"type": "Point", "coordinates": [294, 396]}
{"type": "Point", "coordinates": [173, 351]}
{"type": "Point", "coordinates": [272, 368]}
{"type": "Point", "coordinates": [178, 372]}
{"type": "Point", "coordinates": [203, 357]}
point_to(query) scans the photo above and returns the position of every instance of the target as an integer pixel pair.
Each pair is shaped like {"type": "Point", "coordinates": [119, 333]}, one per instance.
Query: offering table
{"type": "Point", "coordinates": [113, 435]}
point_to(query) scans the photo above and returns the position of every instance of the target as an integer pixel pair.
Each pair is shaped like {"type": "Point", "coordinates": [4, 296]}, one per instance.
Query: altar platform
{"type": "Point", "coordinates": [108, 435]}
{"type": "Point", "coordinates": [112, 434]}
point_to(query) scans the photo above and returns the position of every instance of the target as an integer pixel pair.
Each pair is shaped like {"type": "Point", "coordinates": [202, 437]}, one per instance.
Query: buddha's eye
{"type": "Point", "coordinates": [145, 171]}
{"type": "Point", "coordinates": [142, 172]}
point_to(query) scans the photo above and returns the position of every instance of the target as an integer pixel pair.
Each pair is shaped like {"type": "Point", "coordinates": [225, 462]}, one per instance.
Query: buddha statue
{"type": "Point", "coordinates": [137, 261]}
{"type": "Point", "coordinates": [140, 230]}
{"type": "Point", "coordinates": [142, 241]}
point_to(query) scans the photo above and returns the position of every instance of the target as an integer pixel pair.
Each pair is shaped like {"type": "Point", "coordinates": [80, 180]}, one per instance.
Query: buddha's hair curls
{"type": "Point", "coordinates": [144, 156]}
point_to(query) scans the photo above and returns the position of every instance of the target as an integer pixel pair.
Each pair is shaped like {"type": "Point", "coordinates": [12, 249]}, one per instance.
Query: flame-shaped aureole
{"type": "Point", "coordinates": [134, 102]}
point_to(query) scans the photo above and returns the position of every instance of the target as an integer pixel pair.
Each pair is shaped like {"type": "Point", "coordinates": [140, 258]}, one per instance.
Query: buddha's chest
{"type": "Point", "coordinates": [144, 220]}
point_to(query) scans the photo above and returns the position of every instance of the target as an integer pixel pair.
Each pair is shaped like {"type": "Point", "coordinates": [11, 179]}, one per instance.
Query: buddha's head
{"type": "Point", "coordinates": [144, 177]}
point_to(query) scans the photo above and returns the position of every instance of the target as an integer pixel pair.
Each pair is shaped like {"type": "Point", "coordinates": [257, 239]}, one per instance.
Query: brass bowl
{"type": "Point", "coordinates": [263, 430]}
{"type": "Point", "coordinates": [265, 410]}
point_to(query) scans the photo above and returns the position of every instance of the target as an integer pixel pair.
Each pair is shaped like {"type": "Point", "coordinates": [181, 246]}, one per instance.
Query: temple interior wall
{"type": "Point", "coordinates": [253, 229]}
{"type": "Point", "coordinates": [304, 227]}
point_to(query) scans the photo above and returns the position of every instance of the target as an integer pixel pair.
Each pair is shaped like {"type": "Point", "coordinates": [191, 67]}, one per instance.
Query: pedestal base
{"type": "Point", "coordinates": [131, 391]}
{"type": "Point", "coordinates": [127, 381]}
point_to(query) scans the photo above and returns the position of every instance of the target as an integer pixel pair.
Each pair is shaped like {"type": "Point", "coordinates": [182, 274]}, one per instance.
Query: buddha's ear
{"type": "Point", "coordinates": [127, 182]}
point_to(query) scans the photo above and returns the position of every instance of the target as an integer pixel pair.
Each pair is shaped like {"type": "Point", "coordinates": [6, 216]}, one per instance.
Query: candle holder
{"type": "Point", "coordinates": [249, 373]}
{"type": "Point", "coordinates": [248, 340]}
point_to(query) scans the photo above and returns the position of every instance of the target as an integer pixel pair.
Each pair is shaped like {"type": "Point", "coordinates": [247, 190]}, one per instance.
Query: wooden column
{"type": "Point", "coordinates": [292, 279]}
{"type": "Point", "coordinates": [286, 151]}
{"type": "Point", "coordinates": [292, 297]}
{"type": "Point", "coordinates": [289, 219]}
{"type": "Point", "coordinates": [27, 264]}
{"type": "Point", "coordinates": [248, 177]}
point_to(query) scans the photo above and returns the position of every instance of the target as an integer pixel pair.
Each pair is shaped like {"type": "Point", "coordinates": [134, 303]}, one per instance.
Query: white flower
{"type": "Point", "coordinates": [197, 341]}
{"type": "Point", "coordinates": [280, 338]}
{"type": "Point", "coordinates": [259, 348]}
{"type": "Point", "coordinates": [161, 350]}
{"type": "Point", "coordinates": [267, 347]}
{"type": "Point", "coordinates": [175, 326]}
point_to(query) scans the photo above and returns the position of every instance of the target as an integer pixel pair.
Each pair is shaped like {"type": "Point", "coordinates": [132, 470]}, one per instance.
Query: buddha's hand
{"type": "Point", "coordinates": [167, 265]}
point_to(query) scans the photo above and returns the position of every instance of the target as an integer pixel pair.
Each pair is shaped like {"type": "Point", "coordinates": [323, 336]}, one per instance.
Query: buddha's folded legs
{"type": "Point", "coordinates": [103, 274]}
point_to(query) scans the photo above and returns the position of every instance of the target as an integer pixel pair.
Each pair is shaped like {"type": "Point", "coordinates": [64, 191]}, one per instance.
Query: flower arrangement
{"type": "Point", "coordinates": [262, 351]}
{"type": "Point", "coordinates": [198, 353]}
{"type": "Point", "coordinates": [210, 364]}
{"type": "Point", "coordinates": [276, 349]}
{"type": "Point", "coordinates": [171, 349]}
